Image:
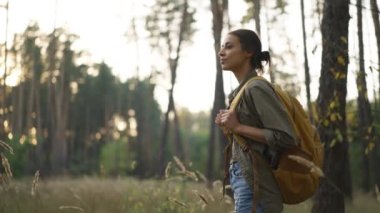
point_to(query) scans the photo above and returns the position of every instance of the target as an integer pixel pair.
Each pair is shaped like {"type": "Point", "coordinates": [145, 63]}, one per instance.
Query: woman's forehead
{"type": "Point", "coordinates": [231, 39]}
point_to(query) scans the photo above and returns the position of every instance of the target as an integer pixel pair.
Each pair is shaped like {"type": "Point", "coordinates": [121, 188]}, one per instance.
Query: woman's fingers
{"type": "Point", "coordinates": [223, 117]}
{"type": "Point", "coordinates": [229, 119]}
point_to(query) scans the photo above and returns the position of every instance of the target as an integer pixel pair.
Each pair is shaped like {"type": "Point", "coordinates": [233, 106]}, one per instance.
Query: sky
{"type": "Point", "coordinates": [102, 27]}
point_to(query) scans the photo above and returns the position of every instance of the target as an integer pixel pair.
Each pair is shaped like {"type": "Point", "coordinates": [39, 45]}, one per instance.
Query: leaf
{"type": "Point", "coordinates": [369, 148]}
{"type": "Point", "coordinates": [339, 136]}
{"type": "Point", "coordinates": [344, 39]}
{"type": "Point", "coordinates": [341, 60]}
{"type": "Point", "coordinates": [332, 105]}
{"type": "Point", "coordinates": [339, 75]}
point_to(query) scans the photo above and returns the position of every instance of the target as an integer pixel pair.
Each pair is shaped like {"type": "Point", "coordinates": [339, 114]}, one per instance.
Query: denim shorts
{"type": "Point", "coordinates": [243, 194]}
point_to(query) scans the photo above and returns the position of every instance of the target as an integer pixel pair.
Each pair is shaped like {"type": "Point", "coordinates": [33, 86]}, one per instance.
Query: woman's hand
{"type": "Point", "coordinates": [218, 118]}
{"type": "Point", "coordinates": [227, 119]}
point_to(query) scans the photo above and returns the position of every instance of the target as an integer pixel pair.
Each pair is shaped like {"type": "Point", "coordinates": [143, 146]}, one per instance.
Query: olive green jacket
{"type": "Point", "coordinates": [260, 107]}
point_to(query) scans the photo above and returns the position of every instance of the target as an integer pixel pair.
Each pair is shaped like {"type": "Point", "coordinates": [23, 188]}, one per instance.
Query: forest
{"type": "Point", "coordinates": [75, 137]}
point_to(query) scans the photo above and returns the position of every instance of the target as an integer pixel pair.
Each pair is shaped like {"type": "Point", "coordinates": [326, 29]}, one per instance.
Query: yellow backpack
{"type": "Point", "coordinates": [298, 172]}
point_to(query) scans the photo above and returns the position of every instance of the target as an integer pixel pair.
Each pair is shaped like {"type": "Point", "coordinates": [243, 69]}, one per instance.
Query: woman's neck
{"type": "Point", "coordinates": [241, 74]}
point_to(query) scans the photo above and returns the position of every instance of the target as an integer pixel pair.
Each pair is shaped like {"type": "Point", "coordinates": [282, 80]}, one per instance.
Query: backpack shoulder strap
{"type": "Point", "coordinates": [236, 99]}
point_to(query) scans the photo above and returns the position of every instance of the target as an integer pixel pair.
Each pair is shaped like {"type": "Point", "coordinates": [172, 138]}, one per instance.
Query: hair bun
{"type": "Point", "coordinates": [264, 56]}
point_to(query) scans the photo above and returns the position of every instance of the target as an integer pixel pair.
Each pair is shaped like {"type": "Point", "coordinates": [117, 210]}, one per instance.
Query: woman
{"type": "Point", "coordinates": [259, 118]}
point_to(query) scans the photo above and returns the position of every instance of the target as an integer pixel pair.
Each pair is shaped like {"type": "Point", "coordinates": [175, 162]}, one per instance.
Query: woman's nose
{"type": "Point", "coordinates": [221, 52]}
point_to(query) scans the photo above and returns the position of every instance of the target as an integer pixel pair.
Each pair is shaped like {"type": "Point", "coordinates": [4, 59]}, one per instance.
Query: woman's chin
{"type": "Point", "coordinates": [225, 67]}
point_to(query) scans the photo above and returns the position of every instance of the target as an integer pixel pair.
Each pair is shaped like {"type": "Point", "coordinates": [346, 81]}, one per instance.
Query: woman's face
{"type": "Point", "coordinates": [231, 55]}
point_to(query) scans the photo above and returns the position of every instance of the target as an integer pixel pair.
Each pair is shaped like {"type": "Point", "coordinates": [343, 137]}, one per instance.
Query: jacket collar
{"type": "Point", "coordinates": [232, 95]}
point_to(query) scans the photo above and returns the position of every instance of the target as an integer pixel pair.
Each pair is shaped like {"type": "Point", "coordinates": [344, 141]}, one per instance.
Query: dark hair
{"type": "Point", "coordinates": [250, 42]}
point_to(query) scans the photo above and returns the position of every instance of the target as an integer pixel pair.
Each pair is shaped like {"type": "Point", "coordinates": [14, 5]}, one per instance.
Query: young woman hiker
{"type": "Point", "coordinates": [260, 119]}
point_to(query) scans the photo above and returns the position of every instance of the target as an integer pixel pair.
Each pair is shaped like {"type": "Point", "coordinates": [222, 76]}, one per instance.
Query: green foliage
{"type": "Point", "coordinates": [199, 152]}
{"type": "Point", "coordinates": [143, 114]}
{"type": "Point", "coordinates": [19, 160]}
{"type": "Point", "coordinates": [80, 102]}
{"type": "Point", "coordinates": [195, 132]}
{"type": "Point", "coordinates": [356, 150]}
{"type": "Point", "coordinates": [117, 158]}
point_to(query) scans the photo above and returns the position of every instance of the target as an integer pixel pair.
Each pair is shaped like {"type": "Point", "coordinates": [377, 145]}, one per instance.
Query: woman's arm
{"type": "Point", "coordinates": [228, 119]}
{"type": "Point", "coordinates": [277, 130]}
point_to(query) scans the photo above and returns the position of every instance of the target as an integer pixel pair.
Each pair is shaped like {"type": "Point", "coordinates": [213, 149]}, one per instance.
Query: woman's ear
{"type": "Point", "coordinates": [249, 54]}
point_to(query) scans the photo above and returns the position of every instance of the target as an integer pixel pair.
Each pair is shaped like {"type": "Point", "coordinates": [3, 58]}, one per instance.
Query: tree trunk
{"type": "Point", "coordinates": [164, 141]}
{"type": "Point", "coordinates": [331, 105]}
{"type": "Point", "coordinates": [376, 23]}
{"type": "Point", "coordinates": [256, 15]}
{"type": "Point", "coordinates": [177, 136]}
{"type": "Point", "coordinates": [306, 63]}
{"type": "Point", "coordinates": [219, 98]}
{"type": "Point", "coordinates": [366, 130]}
{"type": "Point", "coordinates": [3, 103]}
{"type": "Point", "coordinates": [18, 103]}
{"type": "Point", "coordinates": [59, 100]}
{"type": "Point", "coordinates": [173, 64]}
{"type": "Point", "coordinates": [62, 88]}
{"type": "Point", "coordinates": [51, 121]}
{"type": "Point", "coordinates": [41, 159]}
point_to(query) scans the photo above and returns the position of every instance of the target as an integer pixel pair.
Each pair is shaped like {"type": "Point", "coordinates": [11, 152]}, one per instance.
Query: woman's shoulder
{"type": "Point", "coordinates": [259, 84]}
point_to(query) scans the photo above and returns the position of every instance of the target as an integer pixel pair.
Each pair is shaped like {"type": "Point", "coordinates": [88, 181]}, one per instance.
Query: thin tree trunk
{"type": "Point", "coordinates": [366, 130]}
{"type": "Point", "coordinates": [30, 65]}
{"type": "Point", "coordinates": [306, 63]}
{"type": "Point", "coordinates": [173, 67]}
{"type": "Point", "coordinates": [256, 15]}
{"type": "Point", "coordinates": [173, 64]}
{"type": "Point", "coordinates": [3, 101]}
{"type": "Point", "coordinates": [31, 97]}
{"type": "Point", "coordinates": [163, 145]}
{"type": "Point", "coordinates": [273, 67]}
{"type": "Point", "coordinates": [177, 136]}
{"type": "Point", "coordinates": [54, 104]}
{"type": "Point", "coordinates": [39, 149]}
{"type": "Point", "coordinates": [19, 100]}
{"type": "Point", "coordinates": [332, 106]}
{"type": "Point", "coordinates": [219, 96]}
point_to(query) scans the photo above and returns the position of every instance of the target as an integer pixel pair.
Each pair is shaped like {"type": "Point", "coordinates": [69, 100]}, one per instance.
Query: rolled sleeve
{"type": "Point", "coordinates": [278, 130]}
{"type": "Point", "coordinates": [278, 140]}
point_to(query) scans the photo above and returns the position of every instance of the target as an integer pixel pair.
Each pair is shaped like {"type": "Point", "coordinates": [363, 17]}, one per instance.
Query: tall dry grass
{"type": "Point", "coordinates": [94, 195]}
{"type": "Point", "coordinates": [181, 191]}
